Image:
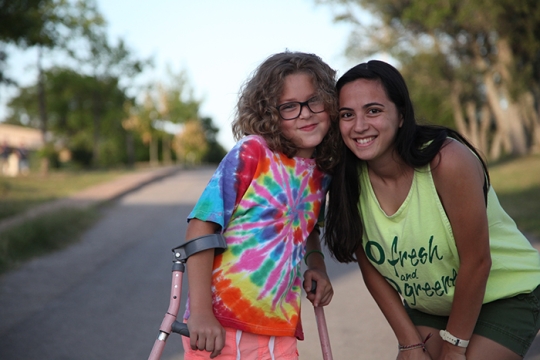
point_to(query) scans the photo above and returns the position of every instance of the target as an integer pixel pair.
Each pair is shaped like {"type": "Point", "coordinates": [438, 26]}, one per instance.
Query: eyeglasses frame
{"type": "Point", "coordinates": [302, 104]}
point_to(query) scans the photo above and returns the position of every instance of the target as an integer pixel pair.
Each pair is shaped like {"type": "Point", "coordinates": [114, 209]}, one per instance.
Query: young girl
{"type": "Point", "coordinates": [413, 205]}
{"type": "Point", "coordinates": [265, 198]}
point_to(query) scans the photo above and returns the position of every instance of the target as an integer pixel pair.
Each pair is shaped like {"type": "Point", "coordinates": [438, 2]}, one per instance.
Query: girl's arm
{"type": "Point", "coordinates": [392, 308]}
{"type": "Point", "coordinates": [206, 333]}
{"type": "Point", "coordinates": [459, 179]}
{"type": "Point", "coordinates": [316, 272]}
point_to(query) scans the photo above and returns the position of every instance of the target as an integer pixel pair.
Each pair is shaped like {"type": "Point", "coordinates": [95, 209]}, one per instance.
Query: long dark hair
{"type": "Point", "coordinates": [417, 145]}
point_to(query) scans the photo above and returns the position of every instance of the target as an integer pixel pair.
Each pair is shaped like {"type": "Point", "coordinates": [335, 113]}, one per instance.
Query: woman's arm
{"type": "Point", "coordinates": [392, 308]}
{"type": "Point", "coordinates": [459, 179]}
{"type": "Point", "coordinates": [206, 333]}
{"type": "Point", "coordinates": [316, 272]}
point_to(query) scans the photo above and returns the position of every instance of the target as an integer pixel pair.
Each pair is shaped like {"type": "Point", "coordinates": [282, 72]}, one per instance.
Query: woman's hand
{"type": "Point", "coordinates": [206, 333]}
{"type": "Point", "coordinates": [324, 290]}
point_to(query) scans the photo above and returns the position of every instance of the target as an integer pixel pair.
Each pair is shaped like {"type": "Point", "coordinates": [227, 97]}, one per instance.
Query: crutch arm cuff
{"type": "Point", "coordinates": [212, 241]}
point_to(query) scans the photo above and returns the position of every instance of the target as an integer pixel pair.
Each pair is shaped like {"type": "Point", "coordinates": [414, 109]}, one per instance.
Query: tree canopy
{"type": "Point", "coordinates": [83, 104]}
{"type": "Point", "coordinates": [472, 64]}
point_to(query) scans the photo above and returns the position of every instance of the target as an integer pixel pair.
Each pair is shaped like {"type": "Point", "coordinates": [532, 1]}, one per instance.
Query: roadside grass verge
{"type": "Point", "coordinates": [517, 184]}
{"type": "Point", "coordinates": [18, 194]}
{"type": "Point", "coordinates": [43, 234]}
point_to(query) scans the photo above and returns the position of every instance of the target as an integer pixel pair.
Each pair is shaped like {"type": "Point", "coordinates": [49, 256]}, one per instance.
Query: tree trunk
{"type": "Point", "coordinates": [166, 148]}
{"type": "Point", "coordinates": [44, 165]}
{"type": "Point", "coordinates": [470, 110]}
{"type": "Point", "coordinates": [468, 126]}
{"type": "Point", "coordinates": [495, 150]}
{"type": "Point", "coordinates": [458, 113]}
{"type": "Point", "coordinates": [41, 97]}
{"type": "Point", "coordinates": [535, 132]}
{"type": "Point", "coordinates": [130, 149]}
{"type": "Point", "coordinates": [510, 132]}
{"type": "Point", "coordinates": [532, 120]}
{"type": "Point", "coordinates": [154, 161]}
{"type": "Point", "coordinates": [506, 113]}
{"type": "Point", "coordinates": [96, 117]}
{"type": "Point", "coordinates": [485, 122]}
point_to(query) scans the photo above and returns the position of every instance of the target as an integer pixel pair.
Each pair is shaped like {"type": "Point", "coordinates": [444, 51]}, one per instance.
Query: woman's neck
{"type": "Point", "coordinates": [389, 169]}
{"type": "Point", "coordinates": [391, 183]}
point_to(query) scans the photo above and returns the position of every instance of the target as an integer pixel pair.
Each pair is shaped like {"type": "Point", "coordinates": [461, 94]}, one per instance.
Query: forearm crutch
{"type": "Point", "coordinates": [322, 328]}
{"type": "Point", "coordinates": [181, 254]}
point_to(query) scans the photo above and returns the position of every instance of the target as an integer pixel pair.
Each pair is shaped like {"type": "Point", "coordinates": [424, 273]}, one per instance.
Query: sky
{"type": "Point", "coordinates": [219, 43]}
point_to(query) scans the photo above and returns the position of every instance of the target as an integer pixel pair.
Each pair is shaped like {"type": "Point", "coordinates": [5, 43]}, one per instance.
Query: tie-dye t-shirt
{"type": "Point", "coordinates": [267, 204]}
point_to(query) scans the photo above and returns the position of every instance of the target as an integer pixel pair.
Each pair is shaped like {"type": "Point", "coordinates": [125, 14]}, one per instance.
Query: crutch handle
{"type": "Point", "coordinates": [180, 328]}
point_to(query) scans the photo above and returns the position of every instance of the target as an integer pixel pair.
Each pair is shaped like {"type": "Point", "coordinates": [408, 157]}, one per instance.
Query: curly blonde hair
{"type": "Point", "coordinates": [257, 114]}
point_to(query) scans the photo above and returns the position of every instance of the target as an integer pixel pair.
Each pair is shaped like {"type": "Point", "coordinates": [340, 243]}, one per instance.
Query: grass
{"type": "Point", "coordinates": [19, 194]}
{"type": "Point", "coordinates": [42, 235]}
{"type": "Point", "coordinates": [517, 184]}
{"type": "Point", "coordinates": [49, 232]}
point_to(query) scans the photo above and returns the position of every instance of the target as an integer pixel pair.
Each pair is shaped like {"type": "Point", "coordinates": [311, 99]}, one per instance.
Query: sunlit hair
{"type": "Point", "coordinates": [256, 112]}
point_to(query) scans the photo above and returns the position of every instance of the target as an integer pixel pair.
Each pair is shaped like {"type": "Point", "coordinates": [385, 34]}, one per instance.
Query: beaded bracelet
{"type": "Point", "coordinates": [421, 345]}
{"type": "Point", "coordinates": [311, 252]}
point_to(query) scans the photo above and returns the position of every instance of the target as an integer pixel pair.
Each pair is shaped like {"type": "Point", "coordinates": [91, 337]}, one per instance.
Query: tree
{"type": "Point", "coordinates": [190, 145]}
{"type": "Point", "coordinates": [24, 23]}
{"type": "Point", "coordinates": [45, 24]}
{"type": "Point", "coordinates": [105, 62]}
{"type": "Point", "coordinates": [483, 61]}
{"type": "Point", "coordinates": [76, 28]}
{"type": "Point", "coordinates": [164, 106]}
{"type": "Point", "coordinates": [215, 152]}
{"type": "Point", "coordinates": [71, 104]}
{"type": "Point", "coordinates": [176, 106]}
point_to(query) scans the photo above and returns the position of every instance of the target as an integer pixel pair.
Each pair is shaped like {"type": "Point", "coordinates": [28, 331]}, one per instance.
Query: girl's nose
{"type": "Point", "coordinates": [360, 125]}
{"type": "Point", "coordinates": [305, 112]}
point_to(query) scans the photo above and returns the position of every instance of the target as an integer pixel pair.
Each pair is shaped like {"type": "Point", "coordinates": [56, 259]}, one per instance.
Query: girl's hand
{"type": "Point", "coordinates": [324, 290]}
{"type": "Point", "coordinates": [415, 354]}
{"type": "Point", "coordinates": [206, 333]}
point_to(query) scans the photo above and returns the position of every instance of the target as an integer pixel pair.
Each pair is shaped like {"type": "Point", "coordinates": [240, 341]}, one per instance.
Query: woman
{"type": "Point", "coordinates": [413, 205]}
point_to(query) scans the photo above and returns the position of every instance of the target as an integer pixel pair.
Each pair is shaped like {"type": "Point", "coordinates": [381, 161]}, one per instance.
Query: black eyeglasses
{"type": "Point", "coordinates": [292, 110]}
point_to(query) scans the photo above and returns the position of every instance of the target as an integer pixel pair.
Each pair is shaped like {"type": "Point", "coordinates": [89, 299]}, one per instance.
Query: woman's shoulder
{"type": "Point", "coordinates": [453, 156]}
{"type": "Point", "coordinates": [455, 162]}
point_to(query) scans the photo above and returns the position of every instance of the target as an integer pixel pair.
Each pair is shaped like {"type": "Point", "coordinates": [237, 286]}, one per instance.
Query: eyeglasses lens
{"type": "Point", "coordinates": [292, 110]}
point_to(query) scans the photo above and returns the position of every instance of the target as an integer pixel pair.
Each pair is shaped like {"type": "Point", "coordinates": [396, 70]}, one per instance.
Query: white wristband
{"type": "Point", "coordinates": [446, 336]}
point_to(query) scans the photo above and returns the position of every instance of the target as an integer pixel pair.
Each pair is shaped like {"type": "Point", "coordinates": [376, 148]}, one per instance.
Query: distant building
{"type": "Point", "coordinates": [14, 136]}
{"type": "Point", "coordinates": [15, 143]}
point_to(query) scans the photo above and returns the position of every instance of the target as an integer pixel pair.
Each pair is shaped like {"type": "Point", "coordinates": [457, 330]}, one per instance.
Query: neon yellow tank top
{"type": "Point", "coordinates": [415, 250]}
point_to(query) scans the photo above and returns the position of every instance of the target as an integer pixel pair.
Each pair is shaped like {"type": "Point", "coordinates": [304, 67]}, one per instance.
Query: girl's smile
{"type": "Point", "coordinates": [307, 130]}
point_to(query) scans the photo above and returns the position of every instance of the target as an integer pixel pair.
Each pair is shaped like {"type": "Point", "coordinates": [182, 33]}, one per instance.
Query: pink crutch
{"type": "Point", "coordinates": [170, 322]}
{"type": "Point", "coordinates": [181, 254]}
{"type": "Point", "coordinates": [322, 328]}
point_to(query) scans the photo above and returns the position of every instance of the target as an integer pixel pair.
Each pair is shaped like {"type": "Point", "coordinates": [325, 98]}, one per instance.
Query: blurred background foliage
{"type": "Point", "coordinates": [86, 105]}
{"type": "Point", "coordinates": [471, 65]}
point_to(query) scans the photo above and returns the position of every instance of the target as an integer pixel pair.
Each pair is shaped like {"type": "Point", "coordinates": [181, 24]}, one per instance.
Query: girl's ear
{"type": "Point", "coordinates": [401, 118]}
